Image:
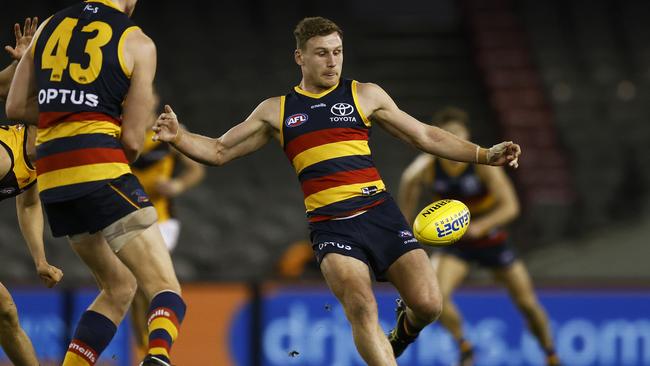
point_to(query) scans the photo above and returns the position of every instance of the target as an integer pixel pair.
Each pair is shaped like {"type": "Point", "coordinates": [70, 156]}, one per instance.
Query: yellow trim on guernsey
{"type": "Point", "coordinates": [313, 95]}
{"type": "Point", "coordinates": [330, 151]}
{"type": "Point", "coordinates": [120, 51]}
{"type": "Point", "coordinates": [356, 103]}
{"type": "Point", "coordinates": [81, 174]}
{"type": "Point", "coordinates": [67, 129]}
{"type": "Point", "coordinates": [282, 101]}
{"type": "Point", "coordinates": [340, 193]}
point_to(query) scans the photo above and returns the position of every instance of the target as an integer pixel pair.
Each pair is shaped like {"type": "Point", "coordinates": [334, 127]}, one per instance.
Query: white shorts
{"type": "Point", "coordinates": [170, 229]}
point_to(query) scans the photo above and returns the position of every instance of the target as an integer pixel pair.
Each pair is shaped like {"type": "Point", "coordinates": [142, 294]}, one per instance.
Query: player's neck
{"type": "Point", "coordinates": [314, 88]}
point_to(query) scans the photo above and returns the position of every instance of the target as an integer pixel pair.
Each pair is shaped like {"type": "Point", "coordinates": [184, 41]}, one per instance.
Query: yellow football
{"type": "Point", "coordinates": [441, 223]}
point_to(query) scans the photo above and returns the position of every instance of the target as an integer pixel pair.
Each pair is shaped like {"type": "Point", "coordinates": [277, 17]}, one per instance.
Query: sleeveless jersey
{"type": "Point", "coordinates": [325, 137]}
{"type": "Point", "coordinates": [82, 81]}
{"type": "Point", "coordinates": [155, 163]}
{"type": "Point", "coordinates": [21, 175]}
{"type": "Point", "coordinates": [466, 186]}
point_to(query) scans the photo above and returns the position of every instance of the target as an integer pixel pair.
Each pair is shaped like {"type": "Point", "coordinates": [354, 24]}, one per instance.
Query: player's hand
{"type": "Point", "coordinates": [23, 38]}
{"type": "Point", "coordinates": [504, 153]}
{"type": "Point", "coordinates": [167, 127]}
{"type": "Point", "coordinates": [49, 274]}
{"type": "Point", "coordinates": [169, 188]}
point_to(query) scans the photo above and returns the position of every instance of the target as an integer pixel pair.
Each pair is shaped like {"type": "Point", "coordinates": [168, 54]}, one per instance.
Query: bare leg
{"type": "Point", "coordinates": [416, 282]}
{"type": "Point", "coordinates": [116, 283]}
{"type": "Point", "coordinates": [520, 288]}
{"type": "Point", "coordinates": [139, 309]}
{"type": "Point", "coordinates": [451, 273]}
{"type": "Point", "coordinates": [148, 259]}
{"type": "Point", "coordinates": [349, 280]}
{"type": "Point", "coordinates": [13, 339]}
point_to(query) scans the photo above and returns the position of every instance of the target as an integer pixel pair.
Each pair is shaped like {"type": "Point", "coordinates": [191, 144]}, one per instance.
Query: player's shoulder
{"type": "Point", "coordinates": [368, 88]}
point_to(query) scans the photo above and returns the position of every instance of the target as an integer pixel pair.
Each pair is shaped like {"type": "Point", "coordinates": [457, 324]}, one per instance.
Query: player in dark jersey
{"type": "Point", "coordinates": [87, 81]}
{"type": "Point", "coordinates": [323, 125]}
{"type": "Point", "coordinates": [17, 179]}
{"type": "Point", "coordinates": [492, 201]}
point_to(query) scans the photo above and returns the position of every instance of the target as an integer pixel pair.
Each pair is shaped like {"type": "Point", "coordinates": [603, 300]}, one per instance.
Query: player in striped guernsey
{"type": "Point", "coordinates": [87, 81]}
{"type": "Point", "coordinates": [18, 179]}
{"type": "Point", "coordinates": [323, 125]}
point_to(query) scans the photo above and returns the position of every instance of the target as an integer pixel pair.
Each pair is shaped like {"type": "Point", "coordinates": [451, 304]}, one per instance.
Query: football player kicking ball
{"type": "Point", "coordinates": [323, 126]}
{"type": "Point", "coordinates": [493, 203]}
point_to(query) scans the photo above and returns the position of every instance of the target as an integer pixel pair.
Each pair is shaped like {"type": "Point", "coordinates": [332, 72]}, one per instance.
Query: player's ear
{"type": "Point", "coordinates": [297, 55]}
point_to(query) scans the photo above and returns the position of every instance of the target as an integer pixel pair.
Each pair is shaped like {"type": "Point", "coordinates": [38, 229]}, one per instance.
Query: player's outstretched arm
{"type": "Point", "coordinates": [30, 220]}
{"type": "Point", "coordinates": [23, 39]}
{"type": "Point", "coordinates": [410, 186]}
{"type": "Point", "coordinates": [243, 139]}
{"type": "Point", "coordinates": [381, 109]}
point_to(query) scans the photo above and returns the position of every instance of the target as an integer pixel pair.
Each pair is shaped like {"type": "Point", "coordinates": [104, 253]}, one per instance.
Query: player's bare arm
{"type": "Point", "coordinates": [507, 204]}
{"type": "Point", "coordinates": [381, 108]}
{"type": "Point", "coordinates": [414, 177]}
{"type": "Point", "coordinates": [244, 138]}
{"type": "Point", "coordinates": [138, 113]}
{"type": "Point", "coordinates": [23, 39]}
{"type": "Point", "coordinates": [30, 220]}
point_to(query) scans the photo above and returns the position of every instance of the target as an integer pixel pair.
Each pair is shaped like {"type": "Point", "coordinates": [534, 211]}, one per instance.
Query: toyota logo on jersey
{"type": "Point", "coordinates": [342, 109]}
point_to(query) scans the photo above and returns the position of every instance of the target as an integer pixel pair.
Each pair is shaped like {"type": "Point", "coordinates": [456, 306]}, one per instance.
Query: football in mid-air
{"type": "Point", "coordinates": [441, 223]}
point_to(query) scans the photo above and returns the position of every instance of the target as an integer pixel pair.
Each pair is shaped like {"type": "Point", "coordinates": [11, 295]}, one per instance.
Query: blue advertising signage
{"type": "Point", "coordinates": [308, 327]}
{"type": "Point", "coordinates": [49, 316]}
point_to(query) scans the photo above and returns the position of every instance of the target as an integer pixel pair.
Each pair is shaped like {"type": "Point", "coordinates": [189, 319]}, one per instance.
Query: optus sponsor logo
{"type": "Point", "coordinates": [296, 120]}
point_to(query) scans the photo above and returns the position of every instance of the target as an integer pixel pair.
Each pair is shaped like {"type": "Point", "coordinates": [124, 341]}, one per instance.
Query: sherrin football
{"type": "Point", "coordinates": [441, 223]}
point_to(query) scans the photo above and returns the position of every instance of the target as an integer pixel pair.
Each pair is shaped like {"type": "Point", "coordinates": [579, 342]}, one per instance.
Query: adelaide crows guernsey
{"type": "Point", "coordinates": [467, 186]}
{"type": "Point", "coordinates": [155, 163]}
{"type": "Point", "coordinates": [21, 176]}
{"type": "Point", "coordinates": [325, 137]}
{"type": "Point", "coordinates": [82, 81]}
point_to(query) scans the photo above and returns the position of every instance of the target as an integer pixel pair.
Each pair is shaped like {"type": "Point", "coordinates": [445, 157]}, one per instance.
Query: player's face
{"type": "Point", "coordinates": [322, 60]}
{"type": "Point", "coordinates": [457, 129]}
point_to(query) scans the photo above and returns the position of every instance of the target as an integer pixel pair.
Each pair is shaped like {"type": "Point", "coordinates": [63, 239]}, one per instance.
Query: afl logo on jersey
{"type": "Point", "coordinates": [342, 109]}
{"type": "Point", "coordinates": [296, 120]}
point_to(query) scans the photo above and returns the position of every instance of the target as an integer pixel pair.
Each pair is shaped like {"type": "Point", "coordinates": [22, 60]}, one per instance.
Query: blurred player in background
{"type": "Point", "coordinates": [18, 179]}
{"type": "Point", "coordinates": [492, 201]}
{"type": "Point", "coordinates": [87, 81]}
{"type": "Point", "coordinates": [323, 125]}
{"type": "Point", "coordinates": [156, 170]}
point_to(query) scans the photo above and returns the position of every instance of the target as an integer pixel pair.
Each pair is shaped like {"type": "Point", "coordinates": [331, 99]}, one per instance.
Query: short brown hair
{"type": "Point", "coordinates": [312, 27]}
{"type": "Point", "coordinates": [449, 114]}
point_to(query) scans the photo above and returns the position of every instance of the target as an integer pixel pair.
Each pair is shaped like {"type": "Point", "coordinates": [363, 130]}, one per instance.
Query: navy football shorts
{"type": "Point", "coordinates": [377, 237]}
{"type": "Point", "coordinates": [495, 256]}
{"type": "Point", "coordinates": [98, 209]}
